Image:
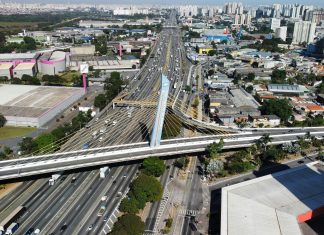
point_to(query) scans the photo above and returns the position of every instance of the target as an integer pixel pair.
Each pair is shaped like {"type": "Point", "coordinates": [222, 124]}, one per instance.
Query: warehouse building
{"type": "Point", "coordinates": [284, 203]}
{"type": "Point", "coordinates": [52, 63]}
{"type": "Point", "coordinates": [6, 70]}
{"type": "Point", "coordinates": [24, 105]}
{"type": "Point", "coordinates": [25, 68]}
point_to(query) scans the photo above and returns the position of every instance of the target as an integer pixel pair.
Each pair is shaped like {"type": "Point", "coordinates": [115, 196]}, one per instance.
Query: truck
{"type": "Point", "coordinates": [103, 171]}
{"type": "Point", "coordinates": [12, 228]}
{"type": "Point", "coordinates": [52, 180]}
{"type": "Point", "coordinates": [102, 210]}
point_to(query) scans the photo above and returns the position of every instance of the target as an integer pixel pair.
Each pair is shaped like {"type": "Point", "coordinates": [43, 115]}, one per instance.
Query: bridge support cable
{"type": "Point", "coordinates": [160, 112]}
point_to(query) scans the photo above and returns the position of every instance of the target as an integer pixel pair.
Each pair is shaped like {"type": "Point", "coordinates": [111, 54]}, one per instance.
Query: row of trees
{"type": "Point", "coordinates": [3, 120]}
{"type": "Point", "coordinates": [145, 188]}
{"type": "Point", "coordinates": [50, 142]}
{"type": "Point", "coordinates": [259, 154]}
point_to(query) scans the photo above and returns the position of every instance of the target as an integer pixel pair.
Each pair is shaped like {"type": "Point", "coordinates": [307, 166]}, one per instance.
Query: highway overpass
{"type": "Point", "coordinates": [130, 152]}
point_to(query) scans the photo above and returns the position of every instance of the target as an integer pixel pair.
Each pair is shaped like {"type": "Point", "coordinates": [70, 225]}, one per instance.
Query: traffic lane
{"type": "Point", "coordinates": [113, 204]}
{"type": "Point", "coordinates": [111, 193]}
{"type": "Point", "coordinates": [151, 218]}
{"type": "Point", "coordinates": [89, 195]}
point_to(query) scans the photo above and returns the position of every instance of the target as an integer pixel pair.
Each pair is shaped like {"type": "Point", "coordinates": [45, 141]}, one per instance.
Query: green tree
{"type": "Point", "coordinates": [153, 166]}
{"type": "Point", "coordinates": [211, 53]}
{"type": "Point", "coordinates": [279, 107]}
{"type": "Point", "coordinates": [182, 162]}
{"type": "Point", "coordinates": [59, 132]}
{"type": "Point", "coordinates": [129, 205]}
{"type": "Point", "coordinates": [195, 103]}
{"type": "Point", "coordinates": [188, 88]}
{"type": "Point", "coordinates": [146, 188]}
{"type": "Point", "coordinates": [3, 120]}
{"type": "Point", "coordinates": [129, 223]}
{"type": "Point", "coordinates": [278, 76]}
{"type": "Point", "coordinates": [30, 43]}
{"type": "Point", "coordinates": [100, 101]}
{"type": "Point", "coordinates": [249, 89]}
{"type": "Point", "coordinates": [45, 143]}
{"type": "Point", "coordinates": [214, 149]}
{"type": "Point", "coordinates": [27, 145]}
{"type": "Point", "coordinates": [264, 141]}
{"type": "Point", "coordinates": [101, 45]}
{"type": "Point", "coordinates": [250, 77]}
{"type": "Point", "coordinates": [113, 86]}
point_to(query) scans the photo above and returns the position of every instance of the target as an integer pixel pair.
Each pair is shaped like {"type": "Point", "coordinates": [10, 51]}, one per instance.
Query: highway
{"type": "Point", "coordinates": [60, 208]}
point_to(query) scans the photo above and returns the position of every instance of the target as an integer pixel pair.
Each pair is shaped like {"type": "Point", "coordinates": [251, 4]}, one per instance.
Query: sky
{"type": "Point", "coordinates": [178, 2]}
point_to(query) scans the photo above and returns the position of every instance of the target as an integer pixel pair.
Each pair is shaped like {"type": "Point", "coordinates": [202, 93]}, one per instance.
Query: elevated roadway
{"type": "Point", "coordinates": [125, 153]}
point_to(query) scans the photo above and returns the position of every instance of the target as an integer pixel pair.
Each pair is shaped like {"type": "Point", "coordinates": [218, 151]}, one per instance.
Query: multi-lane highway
{"type": "Point", "coordinates": [71, 205]}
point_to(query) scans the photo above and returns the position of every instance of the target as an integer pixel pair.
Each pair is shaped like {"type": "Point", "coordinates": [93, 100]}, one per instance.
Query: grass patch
{"type": "Point", "coordinates": [11, 132]}
{"type": "Point", "coordinates": [69, 76]}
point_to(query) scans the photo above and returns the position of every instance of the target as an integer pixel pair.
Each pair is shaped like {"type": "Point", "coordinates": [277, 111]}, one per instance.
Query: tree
{"type": "Point", "coordinates": [147, 187]}
{"type": "Point", "coordinates": [214, 166]}
{"type": "Point", "coordinates": [195, 103]}
{"type": "Point", "coordinates": [264, 141]}
{"type": "Point", "coordinates": [182, 162]}
{"type": "Point", "coordinates": [211, 53]}
{"type": "Point", "coordinates": [153, 166]}
{"type": "Point", "coordinates": [27, 145]}
{"type": "Point", "coordinates": [3, 120]}
{"type": "Point", "coordinates": [214, 149]}
{"type": "Point", "coordinates": [272, 154]}
{"type": "Point", "coordinates": [29, 80]}
{"type": "Point", "coordinates": [100, 101]}
{"type": "Point", "coordinates": [129, 224]}
{"type": "Point", "coordinates": [188, 88]}
{"type": "Point", "coordinates": [45, 143]}
{"type": "Point", "coordinates": [250, 77]}
{"type": "Point", "coordinates": [249, 89]}
{"type": "Point", "coordinates": [30, 43]}
{"type": "Point", "coordinates": [278, 76]}
{"type": "Point", "coordinates": [129, 205]}
{"type": "Point", "coordinates": [290, 147]}
{"type": "Point", "coordinates": [279, 107]}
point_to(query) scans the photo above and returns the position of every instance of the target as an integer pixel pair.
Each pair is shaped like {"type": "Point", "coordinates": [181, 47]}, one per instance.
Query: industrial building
{"type": "Point", "coordinates": [25, 69]}
{"type": "Point", "coordinates": [24, 105]}
{"type": "Point", "coordinates": [52, 63]}
{"type": "Point", "coordinates": [6, 70]}
{"type": "Point", "coordinates": [284, 203]}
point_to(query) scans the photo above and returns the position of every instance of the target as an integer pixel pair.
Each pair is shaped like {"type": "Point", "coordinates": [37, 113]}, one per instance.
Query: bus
{"type": "Point", "coordinates": [12, 217]}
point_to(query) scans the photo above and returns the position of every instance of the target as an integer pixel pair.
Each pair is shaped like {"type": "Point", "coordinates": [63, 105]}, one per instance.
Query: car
{"type": "Point", "coordinates": [73, 179]}
{"type": "Point", "coordinates": [193, 226]}
{"type": "Point", "coordinates": [63, 228]}
{"type": "Point", "coordinates": [114, 182]}
{"type": "Point", "coordinates": [104, 198]}
{"type": "Point", "coordinates": [124, 176]}
{"type": "Point", "coordinates": [90, 227]}
{"type": "Point", "coordinates": [300, 162]}
{"type": "Point", "coordinates": [105, 218]}
{"type": "Point", "coordinates": [37, 231]}
{"type": "Point", "coordinates": [29, 231]}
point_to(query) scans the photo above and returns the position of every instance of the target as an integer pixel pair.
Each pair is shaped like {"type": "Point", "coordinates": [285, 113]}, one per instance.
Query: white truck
{"type": "Point", "coordinates": [103, 171]}
{"type": "Point", "coordinates": [54, 178]}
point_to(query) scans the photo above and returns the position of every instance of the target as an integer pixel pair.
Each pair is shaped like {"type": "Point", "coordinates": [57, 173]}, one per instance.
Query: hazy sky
{"type": "Point", "coordinates": [170, 2]}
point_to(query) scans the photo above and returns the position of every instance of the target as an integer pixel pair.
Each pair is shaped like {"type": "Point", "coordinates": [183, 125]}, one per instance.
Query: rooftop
{"type": "Point", "coordinates": [273, 204]}
{"type": "Point", "coordinates": [5, 66]}
{"type": "Point", "coordinates": [32, 101]}
{"type": "Point", "coordinates": [24, 66]}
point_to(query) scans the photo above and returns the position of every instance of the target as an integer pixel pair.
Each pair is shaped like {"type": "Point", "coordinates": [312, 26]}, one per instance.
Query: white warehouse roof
{"type": "Point", "coordinates": [273, 204]}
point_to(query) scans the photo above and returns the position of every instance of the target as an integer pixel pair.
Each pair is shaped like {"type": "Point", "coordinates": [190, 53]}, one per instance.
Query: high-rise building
{"type": "Point", "coordinates": [233, 8]}
{"type": "Point", "coordinates": [274, 23]}
{"type": "Point", "coordinates": [243, 19]}
{"type": "Point", "coordinates": [304, 31]}
{"type": "Point", "coordinates": [281, 33]}
{"type": "Point", "coordinates": [188, 11]}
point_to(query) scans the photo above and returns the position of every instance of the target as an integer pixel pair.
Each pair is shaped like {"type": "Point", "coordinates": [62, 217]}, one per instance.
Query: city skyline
{"type": "Point", "coordinates": [176, 2]}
